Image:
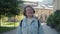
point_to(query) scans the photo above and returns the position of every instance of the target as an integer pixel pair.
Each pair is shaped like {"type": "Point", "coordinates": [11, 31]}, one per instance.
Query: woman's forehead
{"type": "Point", "coordinates": [28, 8]}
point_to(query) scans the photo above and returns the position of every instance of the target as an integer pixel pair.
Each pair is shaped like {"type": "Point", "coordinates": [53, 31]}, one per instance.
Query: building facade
{"type": "Point", "coordinates": [42, 12]}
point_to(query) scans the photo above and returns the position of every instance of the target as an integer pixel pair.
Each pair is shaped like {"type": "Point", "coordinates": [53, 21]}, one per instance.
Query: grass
{"type": "Point", "coordinates": [7, 26]}
{"type": "Point", "coordinates": [10, 24]}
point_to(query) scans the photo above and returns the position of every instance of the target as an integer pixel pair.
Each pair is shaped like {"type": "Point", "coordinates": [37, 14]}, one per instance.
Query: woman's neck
{"type": "Point", "coordinates": [29, 17]}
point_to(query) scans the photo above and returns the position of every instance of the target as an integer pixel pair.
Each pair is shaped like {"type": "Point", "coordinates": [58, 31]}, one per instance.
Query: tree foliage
{"type": "Point", "coordinates": [10, 7]}
{"type": "Point", "coordinates": [54, 20]}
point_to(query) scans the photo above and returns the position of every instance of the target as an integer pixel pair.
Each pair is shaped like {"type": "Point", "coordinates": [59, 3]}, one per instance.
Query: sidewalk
{"type": "Point", "coordinates": [11, 32]}
{"type": "Point", "coordinates": [47, 30]}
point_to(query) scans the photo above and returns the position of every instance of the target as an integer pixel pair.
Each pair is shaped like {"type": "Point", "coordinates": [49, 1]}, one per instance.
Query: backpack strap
{"type": "Point", "coordinates": [22, 20]}
{"type": "Point", "coordinates": [38, 24]}
{"type": "Point", "coordinates": [21, 23]}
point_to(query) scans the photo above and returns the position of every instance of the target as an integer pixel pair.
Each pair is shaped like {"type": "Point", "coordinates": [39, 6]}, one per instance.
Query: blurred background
{"type": "Point", "coordinates": [11, 13]}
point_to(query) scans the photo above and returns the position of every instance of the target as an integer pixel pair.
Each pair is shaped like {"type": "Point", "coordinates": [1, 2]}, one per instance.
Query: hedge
{"type": "Point", "coordinates": [54, 20]}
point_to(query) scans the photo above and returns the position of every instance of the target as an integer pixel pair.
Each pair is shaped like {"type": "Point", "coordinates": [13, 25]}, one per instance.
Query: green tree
{"type": "Point", "coordinates": [10, 8]}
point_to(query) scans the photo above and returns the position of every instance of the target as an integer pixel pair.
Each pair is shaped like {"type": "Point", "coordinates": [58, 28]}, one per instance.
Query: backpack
{"type": "Point", "coordinates": [38, 23]}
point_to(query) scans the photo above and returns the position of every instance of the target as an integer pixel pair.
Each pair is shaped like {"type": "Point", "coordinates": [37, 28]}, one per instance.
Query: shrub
{"type": "Point", "coordinates": [58, 28]}
{"type": "Point", "coordinates": [54, 20]}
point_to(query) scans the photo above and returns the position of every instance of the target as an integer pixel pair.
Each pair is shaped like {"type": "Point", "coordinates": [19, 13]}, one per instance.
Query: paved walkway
{"type": "Point", "coordinates": [11, 32]}
{"type": "Point", "coordinates": [47, 30]}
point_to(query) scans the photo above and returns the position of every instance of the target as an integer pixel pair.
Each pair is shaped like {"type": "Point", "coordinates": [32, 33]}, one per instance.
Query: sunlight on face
{"type": "Point", "coordinates": [29, 12]}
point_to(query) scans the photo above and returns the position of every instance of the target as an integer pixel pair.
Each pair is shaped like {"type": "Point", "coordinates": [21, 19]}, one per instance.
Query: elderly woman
{"type": "Point", "coordinates": [30, 25]}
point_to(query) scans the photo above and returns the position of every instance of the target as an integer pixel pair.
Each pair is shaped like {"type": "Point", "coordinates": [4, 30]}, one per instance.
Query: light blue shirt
{"type": "Point", "coordinates": [30, 27]}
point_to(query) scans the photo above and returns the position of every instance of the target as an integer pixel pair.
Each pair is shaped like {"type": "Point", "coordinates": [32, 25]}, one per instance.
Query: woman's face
{"type": "Point", "coordinates": [29, 12]}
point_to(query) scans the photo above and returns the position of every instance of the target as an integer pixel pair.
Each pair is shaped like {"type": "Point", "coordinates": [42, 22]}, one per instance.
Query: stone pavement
{"type": "Point", "coordinates": [47, 30]}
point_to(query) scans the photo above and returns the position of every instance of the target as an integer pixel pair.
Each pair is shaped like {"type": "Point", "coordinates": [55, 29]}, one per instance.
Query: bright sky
{"type": "Point", "coordinates": [34, 0]}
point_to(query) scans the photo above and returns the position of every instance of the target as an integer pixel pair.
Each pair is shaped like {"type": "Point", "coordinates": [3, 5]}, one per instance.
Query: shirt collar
{"type": "Point", "coordinates": [32, 19]}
